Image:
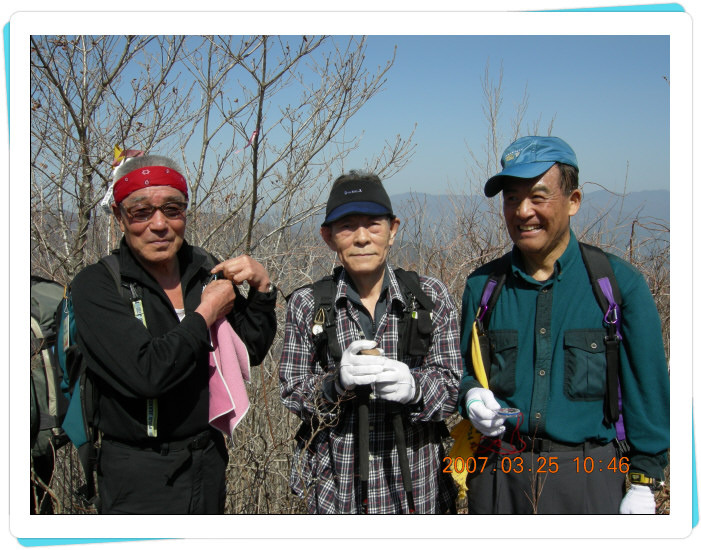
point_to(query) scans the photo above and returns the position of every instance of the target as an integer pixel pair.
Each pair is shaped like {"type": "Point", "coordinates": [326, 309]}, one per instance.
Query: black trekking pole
{"type": "Point", "coordinates": [363, 395]}
{"type": "Point", "coordinates": [400, 439]}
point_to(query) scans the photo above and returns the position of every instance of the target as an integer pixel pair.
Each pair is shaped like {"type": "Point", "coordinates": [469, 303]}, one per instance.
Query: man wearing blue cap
{"type": "Point", "coordinates": [372, 424]}
{"type": "Point", "coordinates": [560, 454]}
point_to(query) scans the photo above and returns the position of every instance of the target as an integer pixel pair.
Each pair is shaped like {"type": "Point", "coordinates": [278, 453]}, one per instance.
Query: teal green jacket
{"type": "Point", "coordinates": [549, 356]}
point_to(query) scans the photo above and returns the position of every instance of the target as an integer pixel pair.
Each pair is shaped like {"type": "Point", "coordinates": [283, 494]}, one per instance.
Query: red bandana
{"type": "Point", "coordinates": [148, 176]}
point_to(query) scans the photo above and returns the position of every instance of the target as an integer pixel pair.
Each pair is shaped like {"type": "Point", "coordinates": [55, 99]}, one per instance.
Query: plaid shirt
{"type": "Point", "coordinates": [324, 468]}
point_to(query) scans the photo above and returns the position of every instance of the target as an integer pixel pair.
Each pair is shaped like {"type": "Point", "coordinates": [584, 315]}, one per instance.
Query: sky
{"type": "Point", "coordinates": [609, 96]}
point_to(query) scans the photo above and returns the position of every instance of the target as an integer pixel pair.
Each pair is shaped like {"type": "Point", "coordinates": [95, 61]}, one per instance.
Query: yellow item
{"type": "Point", "coordinates": [477, 362]}
{"type": "Point", "coordinates": [118, 153]}
{"type": "Point", "coordinates": [466, 437]}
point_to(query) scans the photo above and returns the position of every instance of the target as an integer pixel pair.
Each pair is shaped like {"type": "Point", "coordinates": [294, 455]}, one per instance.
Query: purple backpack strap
{"type": "Point", "coordinates": [612, 316]}
{"type": "Point", "coordinates": [486, 295]}
{"type": "Point", "coordinates": [491, 291]}
{"type": "Point", "coordinates": [608, 297]}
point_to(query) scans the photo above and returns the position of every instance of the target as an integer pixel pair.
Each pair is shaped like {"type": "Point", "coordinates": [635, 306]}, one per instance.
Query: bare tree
{"type": "Point", "coordinates": [88, 96]}
{"type": "Point", "coordinates": [259, 126]}
{"type": "Point", "coordinates": [281, 108]}
{"type": "Point", "coordinates": [497, 137]}
{"type": "Point", "coordinates": [258, 123]}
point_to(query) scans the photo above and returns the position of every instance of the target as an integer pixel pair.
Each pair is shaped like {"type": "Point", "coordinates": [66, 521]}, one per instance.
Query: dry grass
{"type": "Point", "coordinates": [260, 455]}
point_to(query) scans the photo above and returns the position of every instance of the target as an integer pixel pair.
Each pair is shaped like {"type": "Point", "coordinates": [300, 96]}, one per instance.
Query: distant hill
{"type": "Point", "coordinates": [602, 215]}
{"type": "Point", "coordinates": [647, 204]}
{"type": "Point", "coordinates": [602, 212]}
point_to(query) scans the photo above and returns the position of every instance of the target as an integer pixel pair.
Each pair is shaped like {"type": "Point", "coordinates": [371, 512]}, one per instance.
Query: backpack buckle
{"type": "Point", "coordinates": [611, 318]}
{"type": "Point", "coordinates": [319, 320]}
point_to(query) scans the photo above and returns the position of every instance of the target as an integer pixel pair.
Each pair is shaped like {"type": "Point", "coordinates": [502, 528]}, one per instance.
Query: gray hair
{"type": "Point", "coordinates": [134, 163]}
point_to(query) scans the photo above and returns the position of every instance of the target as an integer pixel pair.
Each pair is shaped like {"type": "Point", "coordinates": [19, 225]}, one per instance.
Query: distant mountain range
{"type": "Point", "coordinates": [603, 217]}
{"type": "Point", "coordinates": [640, 204]}
{"type": "Point", "coordinates": [599, 208]}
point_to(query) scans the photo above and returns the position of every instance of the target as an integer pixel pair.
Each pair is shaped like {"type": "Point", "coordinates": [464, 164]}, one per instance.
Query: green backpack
{"type": "Point", "coordinates": [48, 404]}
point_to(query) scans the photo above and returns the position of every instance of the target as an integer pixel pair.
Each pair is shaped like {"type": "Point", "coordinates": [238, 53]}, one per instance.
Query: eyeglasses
{"type": "Point", "coordinates": [144, 212]}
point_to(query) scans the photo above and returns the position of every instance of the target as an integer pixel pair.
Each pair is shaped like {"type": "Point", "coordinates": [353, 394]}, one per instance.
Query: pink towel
{"type": "Point", "coordinates": [229, 366]}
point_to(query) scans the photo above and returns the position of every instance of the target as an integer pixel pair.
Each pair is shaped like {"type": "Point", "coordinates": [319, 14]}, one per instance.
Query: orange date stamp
{"type": "Point", "coordinates": [543, 465]}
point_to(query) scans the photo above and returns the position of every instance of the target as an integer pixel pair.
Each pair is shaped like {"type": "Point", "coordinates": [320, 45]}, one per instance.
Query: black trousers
{"type": "Point", "coordinates": [587, 480]}
{"type": "Point", "coordinates": [133, 480]}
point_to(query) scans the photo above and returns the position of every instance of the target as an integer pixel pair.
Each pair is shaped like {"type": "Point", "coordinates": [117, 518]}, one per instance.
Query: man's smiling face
{"type": "Point", "coordinates": [537, 215]}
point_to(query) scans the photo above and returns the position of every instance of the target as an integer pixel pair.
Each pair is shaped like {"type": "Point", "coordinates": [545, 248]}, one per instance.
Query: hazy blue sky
{"type": "Point", "coordinates": [609, 97]}
{"type": "Point", "coordinates": [608, 94]}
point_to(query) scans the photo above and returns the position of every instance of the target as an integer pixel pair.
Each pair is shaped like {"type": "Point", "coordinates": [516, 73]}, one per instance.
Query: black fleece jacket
{"type": "Point", "coordinates": [167, 360]}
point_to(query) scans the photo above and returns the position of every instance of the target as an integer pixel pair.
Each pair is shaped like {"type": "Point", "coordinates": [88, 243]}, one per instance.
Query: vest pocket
{"type": "Point", "coordinates": [504, 353]}
{"type": "Point", "coordinates": [585, 364]}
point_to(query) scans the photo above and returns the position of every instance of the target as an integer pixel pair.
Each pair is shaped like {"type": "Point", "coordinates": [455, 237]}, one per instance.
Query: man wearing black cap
{"type": "Point", "coordinates": [405, 392]}
{"type": "Point", "coordinates": [560, 455]}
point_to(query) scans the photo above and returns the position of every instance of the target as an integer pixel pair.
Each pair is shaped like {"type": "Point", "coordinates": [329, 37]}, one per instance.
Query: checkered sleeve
{"type": "Point", "coordinates": [440, 371]}
{"type": "Point", "coordinates": [302, 379]}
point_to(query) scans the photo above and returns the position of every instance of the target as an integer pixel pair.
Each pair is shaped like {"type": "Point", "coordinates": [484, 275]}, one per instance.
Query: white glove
{"type": "Point", "coordinates": [359, 370]}
{"type": "Point", "coordinates": [395, 383]}
{"type": "Point", "coordinates": [480, 406]}
{"type": "Point", "coordinates": [638, 500]}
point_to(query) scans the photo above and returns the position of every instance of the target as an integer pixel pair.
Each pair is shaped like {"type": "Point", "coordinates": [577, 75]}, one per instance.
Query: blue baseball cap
{"type": "Point", "coordinates": [528, 157]}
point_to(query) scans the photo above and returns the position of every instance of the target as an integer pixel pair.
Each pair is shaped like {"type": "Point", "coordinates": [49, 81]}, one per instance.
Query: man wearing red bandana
{"type": "Point", "coordinates": [147, 351]}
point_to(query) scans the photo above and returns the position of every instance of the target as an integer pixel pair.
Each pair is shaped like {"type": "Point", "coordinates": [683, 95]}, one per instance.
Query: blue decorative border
{"type": "Point", "coordinates": [643, 8]}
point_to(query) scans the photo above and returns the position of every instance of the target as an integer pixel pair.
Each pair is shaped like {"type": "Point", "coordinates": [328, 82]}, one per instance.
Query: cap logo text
{"type": "Point", "coordinates": [511, 156]}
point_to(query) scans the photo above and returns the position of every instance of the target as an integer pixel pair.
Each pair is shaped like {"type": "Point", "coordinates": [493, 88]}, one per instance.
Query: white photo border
{"type": "Point", "coordinates": [676, 25]}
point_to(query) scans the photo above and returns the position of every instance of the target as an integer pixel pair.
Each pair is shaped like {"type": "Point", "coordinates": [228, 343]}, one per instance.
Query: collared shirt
{"type": "Point", "coordinates": [550, 360]}
{"type": "Point", "coordinates": [325, 463]}
{"type": "Point", "coordinates": [368, 324]}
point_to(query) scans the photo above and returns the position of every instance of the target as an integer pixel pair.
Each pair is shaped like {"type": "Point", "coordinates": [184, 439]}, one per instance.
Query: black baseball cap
{"type": "Point", "coordinates": [357, 194]}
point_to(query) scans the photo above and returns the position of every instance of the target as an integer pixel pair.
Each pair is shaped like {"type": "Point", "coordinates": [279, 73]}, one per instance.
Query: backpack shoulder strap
{"type": "Point", "coordinates": [111, 262]}
{"type": "Point", "coordinates": [324, 333]}
{"type": "Point", "coordinates": [130, 291]}
{"type": "Point", "coordinates": [599, 269]}
{"type": "Point", "coordinates": [490, 291]}
{"type": "Point", "coordinates": [608, 296]}
{"type": "Point", "coordinates": [415, 325]}
{"type": "Point", "coordinates": [409, 280]}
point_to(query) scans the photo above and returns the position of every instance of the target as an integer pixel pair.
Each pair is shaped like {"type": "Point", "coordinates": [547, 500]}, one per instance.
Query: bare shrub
{"type": "Point", "coordinates": [258, 193]}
